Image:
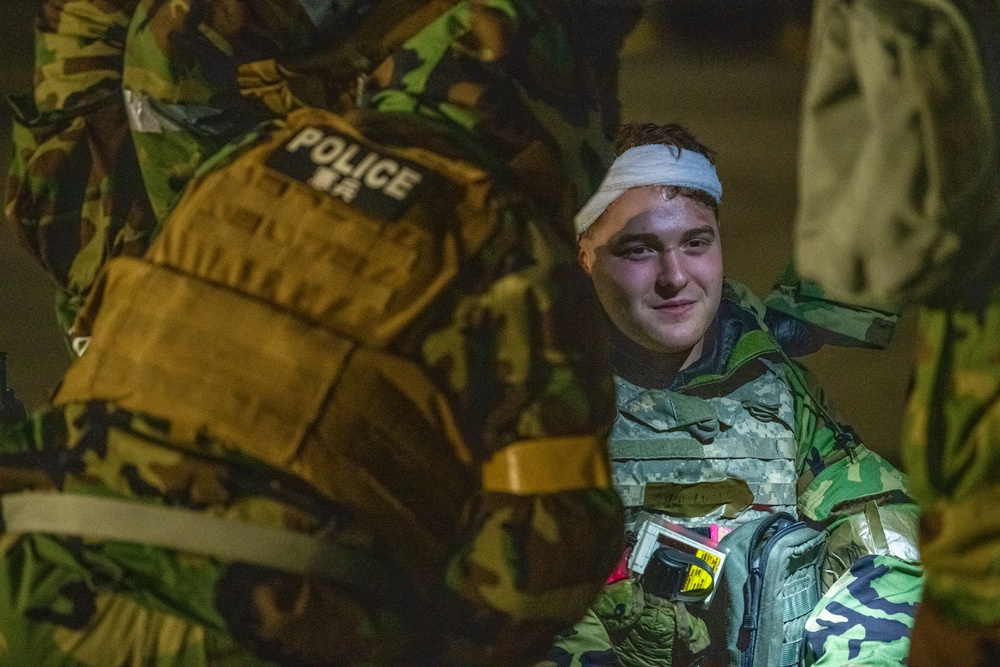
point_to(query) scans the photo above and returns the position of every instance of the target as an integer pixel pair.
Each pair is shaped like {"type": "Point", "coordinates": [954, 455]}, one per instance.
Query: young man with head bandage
{"type": "Point", "coordinates": [718, 428]}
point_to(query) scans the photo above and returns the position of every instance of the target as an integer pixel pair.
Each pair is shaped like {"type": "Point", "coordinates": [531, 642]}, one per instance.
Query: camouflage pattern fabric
{"type": "Point", "coordinates": [951, 449]}
{"type": "Point", "coordinates": [81, 602]}
{"type": "Point", "coordinates": [828, 321]}
{"type": "Point", "coordinates": [586, 644]}
{"type": "Point", "coordinates": [836, 479]}
{"type": "Point", "coordinates": [866, 616]}
{"type": "Point", "coordinates": [74, 193]}
{"type": "Point", "coordinates": [130, 88]}
{"type": "Point", "coordinates": [898, 95]}
{"type": "Point", "coordinates": [188, 91]}
{"type": "Point", "coordinates": [132, 96]}
{"type": "Point", "coordinates": [942, 110]}
{"type": "Point", "coordinates": [627, 627]}
{"type": "Point", "coordinates": [501, 356]}
{"type": "Point", "coordinates": [77, 190]}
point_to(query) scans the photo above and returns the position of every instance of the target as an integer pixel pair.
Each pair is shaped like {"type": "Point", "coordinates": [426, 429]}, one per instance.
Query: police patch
{"type": "Point", "coordinates": [351, 170]}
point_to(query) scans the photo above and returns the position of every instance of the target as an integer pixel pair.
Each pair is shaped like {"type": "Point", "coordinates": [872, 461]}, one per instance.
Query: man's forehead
{"type": "Point", "coordinates": [648, 209]}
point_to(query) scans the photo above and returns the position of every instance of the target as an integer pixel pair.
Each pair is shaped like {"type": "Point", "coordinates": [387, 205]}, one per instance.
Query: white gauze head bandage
{"type": "Point", "coordinates": [652, 164]}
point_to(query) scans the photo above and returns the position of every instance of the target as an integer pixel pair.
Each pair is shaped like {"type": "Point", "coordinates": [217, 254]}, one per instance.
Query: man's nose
{"type": "Point", "coordinates": [672, 274]}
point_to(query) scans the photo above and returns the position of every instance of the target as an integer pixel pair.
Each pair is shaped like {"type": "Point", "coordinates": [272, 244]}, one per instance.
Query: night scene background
{"type": "Point", "coordinates": [732, 72]}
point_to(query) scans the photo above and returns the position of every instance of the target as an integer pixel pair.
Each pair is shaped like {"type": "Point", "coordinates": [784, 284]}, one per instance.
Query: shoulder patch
{"type": "Point", "coordinates": [351, 170]}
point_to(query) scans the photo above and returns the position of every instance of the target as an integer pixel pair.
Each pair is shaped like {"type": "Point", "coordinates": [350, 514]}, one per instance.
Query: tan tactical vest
{"type": "Point", "coordinates": [264, 317]}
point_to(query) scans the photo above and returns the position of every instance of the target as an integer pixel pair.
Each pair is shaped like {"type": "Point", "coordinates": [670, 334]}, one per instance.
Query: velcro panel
{"type": "Point", "coordinates": [208, 359]}
{"type": "Point", "coordinates": [769, 495]}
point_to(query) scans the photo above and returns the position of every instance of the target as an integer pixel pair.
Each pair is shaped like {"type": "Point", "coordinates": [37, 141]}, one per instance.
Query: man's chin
{"type": "Point", "coordinates": [674, 342]}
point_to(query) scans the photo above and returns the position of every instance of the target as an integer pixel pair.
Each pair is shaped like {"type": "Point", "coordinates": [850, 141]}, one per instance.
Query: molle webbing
{"type": "Point", "coordinates": [671, 459]}
{"type": "Point", "coordinates": [689, 448]}
{"type": "Point", "coordinates": [272, 235]}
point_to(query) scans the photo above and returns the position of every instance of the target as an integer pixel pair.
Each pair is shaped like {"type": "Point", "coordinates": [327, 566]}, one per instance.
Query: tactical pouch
{"type": "Point", "coordinates": [772, 583]}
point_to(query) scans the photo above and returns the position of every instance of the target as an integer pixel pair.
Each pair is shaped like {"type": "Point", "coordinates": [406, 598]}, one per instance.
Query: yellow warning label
{"type": "Point", "coordinates": [697, 578]}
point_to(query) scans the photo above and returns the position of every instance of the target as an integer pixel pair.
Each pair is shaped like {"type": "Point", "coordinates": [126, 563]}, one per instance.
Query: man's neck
{"type": "Point", "coordinates": [647, 368]}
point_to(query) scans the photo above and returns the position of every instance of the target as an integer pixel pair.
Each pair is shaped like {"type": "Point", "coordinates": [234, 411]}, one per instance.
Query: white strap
{"type": "Point", "coordinates": [142, 117]}
{"type": "Point", "coordinates": [184, 530]}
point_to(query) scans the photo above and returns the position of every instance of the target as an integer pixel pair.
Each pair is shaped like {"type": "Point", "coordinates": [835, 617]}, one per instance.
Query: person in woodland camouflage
{"type": "Point", "coordinates": [900, 205]}
{"type": "Point", "coordinates": [708, 400]}
{"type": "Point", "coordinates": [346, 408]}
{"type": "Point", "coordinates": [132, 96]}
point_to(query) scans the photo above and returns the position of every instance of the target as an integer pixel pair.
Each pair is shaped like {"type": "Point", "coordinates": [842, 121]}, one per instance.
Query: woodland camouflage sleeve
{"type": "Point", "coordinates": [829, 320]}
{"type": "Point", "coordinates": [872, 575]}
{"type": "Point", "coordinates": [197, 75]}
{"type": "Point", "coordinates": [531, 382]}
{"type": "Point", "coordinates": [74, 195]}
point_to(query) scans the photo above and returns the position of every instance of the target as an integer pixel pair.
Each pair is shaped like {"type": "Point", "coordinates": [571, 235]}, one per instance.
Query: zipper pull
{"type": "Point", "coordinates": [751, 600]}
{"type": "Point", "coordinates": [848, 440]}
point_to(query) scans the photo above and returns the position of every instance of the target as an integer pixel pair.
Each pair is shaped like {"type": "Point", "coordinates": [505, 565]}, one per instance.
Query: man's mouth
{"type": "Point", "coordinates": [675, 305]}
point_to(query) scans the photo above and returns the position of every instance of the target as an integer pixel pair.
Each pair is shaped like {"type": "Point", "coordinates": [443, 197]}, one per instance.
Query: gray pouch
{"type": "Point", "coordinates": [771, 583]}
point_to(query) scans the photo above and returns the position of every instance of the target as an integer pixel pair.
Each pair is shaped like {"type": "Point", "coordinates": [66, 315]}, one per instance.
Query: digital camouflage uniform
{"type": "Point", "coordinates": [363, 336]}
{"type": "Point", "coordinates": [745, 394]}
{"type": "Point", "coordinates": [900, 204]}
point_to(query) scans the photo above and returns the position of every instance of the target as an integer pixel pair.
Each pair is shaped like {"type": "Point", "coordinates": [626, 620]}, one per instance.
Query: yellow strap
{"type": "Point", "coordinates": [548, 465]}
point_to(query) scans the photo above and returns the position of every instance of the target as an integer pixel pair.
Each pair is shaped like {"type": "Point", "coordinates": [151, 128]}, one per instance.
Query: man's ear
{"type": "Point", "coordinates": [583, 258]}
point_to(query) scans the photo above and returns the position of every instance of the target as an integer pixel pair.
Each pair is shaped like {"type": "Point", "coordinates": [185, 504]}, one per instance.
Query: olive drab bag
{"type": "Point", "coordinates": [899, 198]}
{"type": "Point", "coordinates": [771, 583]}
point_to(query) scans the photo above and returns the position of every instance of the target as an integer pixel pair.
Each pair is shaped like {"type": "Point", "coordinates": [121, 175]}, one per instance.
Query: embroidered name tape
{"type": "Point", "coordinates": [353, 171]}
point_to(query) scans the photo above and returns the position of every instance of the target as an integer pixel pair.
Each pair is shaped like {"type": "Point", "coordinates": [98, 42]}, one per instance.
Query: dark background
{"type": "Point", "coordinates": [732, 71]}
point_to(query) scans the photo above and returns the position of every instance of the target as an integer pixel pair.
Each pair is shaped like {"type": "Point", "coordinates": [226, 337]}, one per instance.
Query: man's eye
{"type": "Point", "coordinates": [699, 244]}
{"type": "Point", "coordinates": [637, 251]}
